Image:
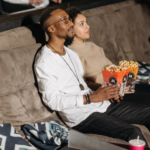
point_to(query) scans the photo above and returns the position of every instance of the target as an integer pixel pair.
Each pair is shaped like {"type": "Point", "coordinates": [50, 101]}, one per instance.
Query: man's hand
{"type": "Point", "coordinates": [105, 93]}
{"type": "Point", "coordinates": [36, 2]}
{"type": "Point", "coordinates": [113, 100]}
{"type": "Point", "coordinates": [57, 1]}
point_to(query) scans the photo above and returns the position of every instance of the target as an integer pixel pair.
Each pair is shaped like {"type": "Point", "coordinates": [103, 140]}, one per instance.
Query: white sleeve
{"type": "Point", "coordinates": [17, 1]}
{"type": "Point", "coordinates": [51, 95]}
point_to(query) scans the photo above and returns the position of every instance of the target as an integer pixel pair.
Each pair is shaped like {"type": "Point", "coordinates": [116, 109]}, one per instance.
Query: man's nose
{"type": "Point", "coordinates": [70, 23]}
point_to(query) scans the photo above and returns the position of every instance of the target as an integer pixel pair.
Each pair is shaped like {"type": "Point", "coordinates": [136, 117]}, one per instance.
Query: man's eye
{"type": "Point", "coordinates": [64, 20]}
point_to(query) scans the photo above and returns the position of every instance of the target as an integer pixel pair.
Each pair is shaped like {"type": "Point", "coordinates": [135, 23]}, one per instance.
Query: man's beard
{"type": "Point", "coordinates": [69, 40]}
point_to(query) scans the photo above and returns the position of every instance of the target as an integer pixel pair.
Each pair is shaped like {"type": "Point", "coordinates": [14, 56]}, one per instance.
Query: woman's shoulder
{"type": "Point", "coordinates": [70, 51]}
{"type": "Point", "coordinates": [91, 44]}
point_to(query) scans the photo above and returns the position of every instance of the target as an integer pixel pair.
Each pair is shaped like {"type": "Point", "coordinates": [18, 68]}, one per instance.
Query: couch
{"type": "Point", "coordinates": [122, 29]}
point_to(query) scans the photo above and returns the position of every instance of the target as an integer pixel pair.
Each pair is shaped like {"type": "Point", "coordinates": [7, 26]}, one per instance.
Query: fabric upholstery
{"type": "Point", "coordinates": [19, 99]}
{"type": "Point", "coordinates": [108, 8]}
{"type": "Point", "coordinates": [15, 38]}
{"type": "Point", "coordinates": [137, 34]}
{"type": "Point", "coordinates": [22, 36]}
{"type": "Point", "coordinates": [110, 36]}
{"type": "Point", "coordinates": [123, 33]}
{"type": "Point", "coordinates": [1, 118]}
{"type": "Point", "coordinates": [121, 29]}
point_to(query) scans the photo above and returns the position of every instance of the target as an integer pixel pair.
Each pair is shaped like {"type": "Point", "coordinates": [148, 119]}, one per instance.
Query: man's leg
{"type": "Point", "coordinates": [103, 124]}
{"type": "Point", "coordinates": [130, 113]}
{"type": "Point", "coordinates": [138, 97]}
{"type": "Point", "coordinates": [142, 88]}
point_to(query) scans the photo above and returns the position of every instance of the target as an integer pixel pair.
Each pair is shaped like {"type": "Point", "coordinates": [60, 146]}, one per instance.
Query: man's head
{"type": "Point", "coordinates": [55, 22]}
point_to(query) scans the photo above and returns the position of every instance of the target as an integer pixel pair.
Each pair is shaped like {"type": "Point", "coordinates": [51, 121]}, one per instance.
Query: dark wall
{"type": "Point", "coordinates": [31, 16]}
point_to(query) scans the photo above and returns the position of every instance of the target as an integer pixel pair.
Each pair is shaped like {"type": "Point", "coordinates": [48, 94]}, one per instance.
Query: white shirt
{"type": "Point", "coordinates": [60, 88]}
{"type": "Point", "coordinates": [26, 2]}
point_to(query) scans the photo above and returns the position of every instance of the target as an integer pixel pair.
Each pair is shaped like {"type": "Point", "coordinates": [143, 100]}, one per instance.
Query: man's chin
{"type": "Point", "coordinates": [69, 40]}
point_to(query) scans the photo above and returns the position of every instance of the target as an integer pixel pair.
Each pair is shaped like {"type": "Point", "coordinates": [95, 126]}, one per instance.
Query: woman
{"type": "Point", "coordinates": [94, 60]}
{"type": "Point", "coordinates": [90, 54]}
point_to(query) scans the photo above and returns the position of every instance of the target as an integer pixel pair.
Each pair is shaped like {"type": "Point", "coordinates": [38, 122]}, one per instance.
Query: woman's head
{"type": "Point", "coordinates": [81, 28]}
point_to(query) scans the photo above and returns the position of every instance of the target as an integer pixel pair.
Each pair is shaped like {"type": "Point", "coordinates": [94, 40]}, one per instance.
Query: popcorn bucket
{"type": "Point", "coordinates": [133, 73]}
{"type": "Point", "coordinates": [118, 78]}
{"type": "Point", "coordinates": [130, 87]}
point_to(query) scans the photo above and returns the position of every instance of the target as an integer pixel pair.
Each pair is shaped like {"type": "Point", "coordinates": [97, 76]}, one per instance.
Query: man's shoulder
{"type": "Point", "coordinates": [43, 56]}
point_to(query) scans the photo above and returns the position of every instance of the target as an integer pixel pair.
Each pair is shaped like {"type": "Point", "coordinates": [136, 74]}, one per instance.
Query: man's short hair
{"type": "Point", "coordinates": [46, 14]}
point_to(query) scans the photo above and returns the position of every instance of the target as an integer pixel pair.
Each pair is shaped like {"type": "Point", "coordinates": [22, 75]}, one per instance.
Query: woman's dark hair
{"type": "Point", "coordinates": [72, 12]}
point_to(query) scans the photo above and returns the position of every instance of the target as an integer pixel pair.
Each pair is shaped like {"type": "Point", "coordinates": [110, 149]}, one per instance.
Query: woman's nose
{"type": "Point", "coordinates": [87, 26]}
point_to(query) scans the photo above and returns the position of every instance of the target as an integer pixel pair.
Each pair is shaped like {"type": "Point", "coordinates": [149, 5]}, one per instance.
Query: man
{"type": "Point", "coordinates": [59, 74]}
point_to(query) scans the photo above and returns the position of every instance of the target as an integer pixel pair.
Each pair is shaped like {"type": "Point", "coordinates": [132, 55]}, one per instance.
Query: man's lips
{"type": "Point", "coordinates": [71, 29]}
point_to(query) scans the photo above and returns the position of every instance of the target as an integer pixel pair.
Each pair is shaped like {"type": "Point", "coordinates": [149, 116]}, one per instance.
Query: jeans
{"type": "Point", "coordinates": [116, 121]}
{"type": "Point", "coordinates": [141, 95]}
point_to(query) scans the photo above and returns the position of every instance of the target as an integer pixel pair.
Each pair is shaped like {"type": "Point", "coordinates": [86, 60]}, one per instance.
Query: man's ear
{"type": "Point", "coordinates": [51, 29]}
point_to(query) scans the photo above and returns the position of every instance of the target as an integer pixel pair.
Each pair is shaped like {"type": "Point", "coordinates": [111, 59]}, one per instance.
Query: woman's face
{"type": "Point", "coordinates": [81, 28]}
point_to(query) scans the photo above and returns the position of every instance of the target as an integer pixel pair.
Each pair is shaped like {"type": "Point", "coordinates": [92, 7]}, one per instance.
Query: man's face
{"type": "Point", "coordinates": [63, 27]}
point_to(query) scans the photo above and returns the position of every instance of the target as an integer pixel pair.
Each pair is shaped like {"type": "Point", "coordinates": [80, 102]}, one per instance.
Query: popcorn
{"type": "Point", "coordinates": [115, 68]}
{"type": "Point", "coordinates": [128, 64]}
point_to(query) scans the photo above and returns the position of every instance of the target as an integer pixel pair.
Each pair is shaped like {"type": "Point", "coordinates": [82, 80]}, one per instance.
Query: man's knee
{"type": "Point", "coordinates": [136, 131]}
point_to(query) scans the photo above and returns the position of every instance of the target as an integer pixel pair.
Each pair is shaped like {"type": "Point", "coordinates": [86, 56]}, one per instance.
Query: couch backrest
{"type": "Point", "coordinates": [108, 8]}
{"type": "Point", "coordinates": [122, 30]}
{"type": "Point", "coordinates": [22, 36]}
{"type": "Point", "coordinates": [138, 31]}
{"type": "Point", "coordinates": [19, 99]}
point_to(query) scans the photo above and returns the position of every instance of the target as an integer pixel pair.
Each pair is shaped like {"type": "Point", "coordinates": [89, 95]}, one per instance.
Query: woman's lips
{"type": "Point", "coordinates": [88, 32]}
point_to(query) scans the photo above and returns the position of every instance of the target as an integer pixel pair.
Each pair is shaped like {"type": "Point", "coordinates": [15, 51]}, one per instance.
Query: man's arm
{"type": "Point", "coordinates": [92, 85]}
{"type": "Point", "coordinates": [57, 100]}
{"type": "Point", "coordinates": [51, 95]}
{"type": "Point", "coordinates": [104, 93]}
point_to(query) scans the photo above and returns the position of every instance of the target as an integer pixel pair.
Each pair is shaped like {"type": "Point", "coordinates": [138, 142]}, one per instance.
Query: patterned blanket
{"type": "Point", "coordinates": [46, 135]}
{"type": "Point", "coordinates": [10, 139]}
{"type": "Point", "coordinates": [143, 72]}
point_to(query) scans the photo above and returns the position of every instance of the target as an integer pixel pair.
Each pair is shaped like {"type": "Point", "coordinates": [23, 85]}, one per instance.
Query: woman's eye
{"type": "Point", "coordinates": [81, 24]}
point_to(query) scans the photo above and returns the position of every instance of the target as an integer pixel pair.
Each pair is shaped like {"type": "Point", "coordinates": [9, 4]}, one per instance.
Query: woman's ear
{"type": "Point", "coordinates": [51, 29]}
